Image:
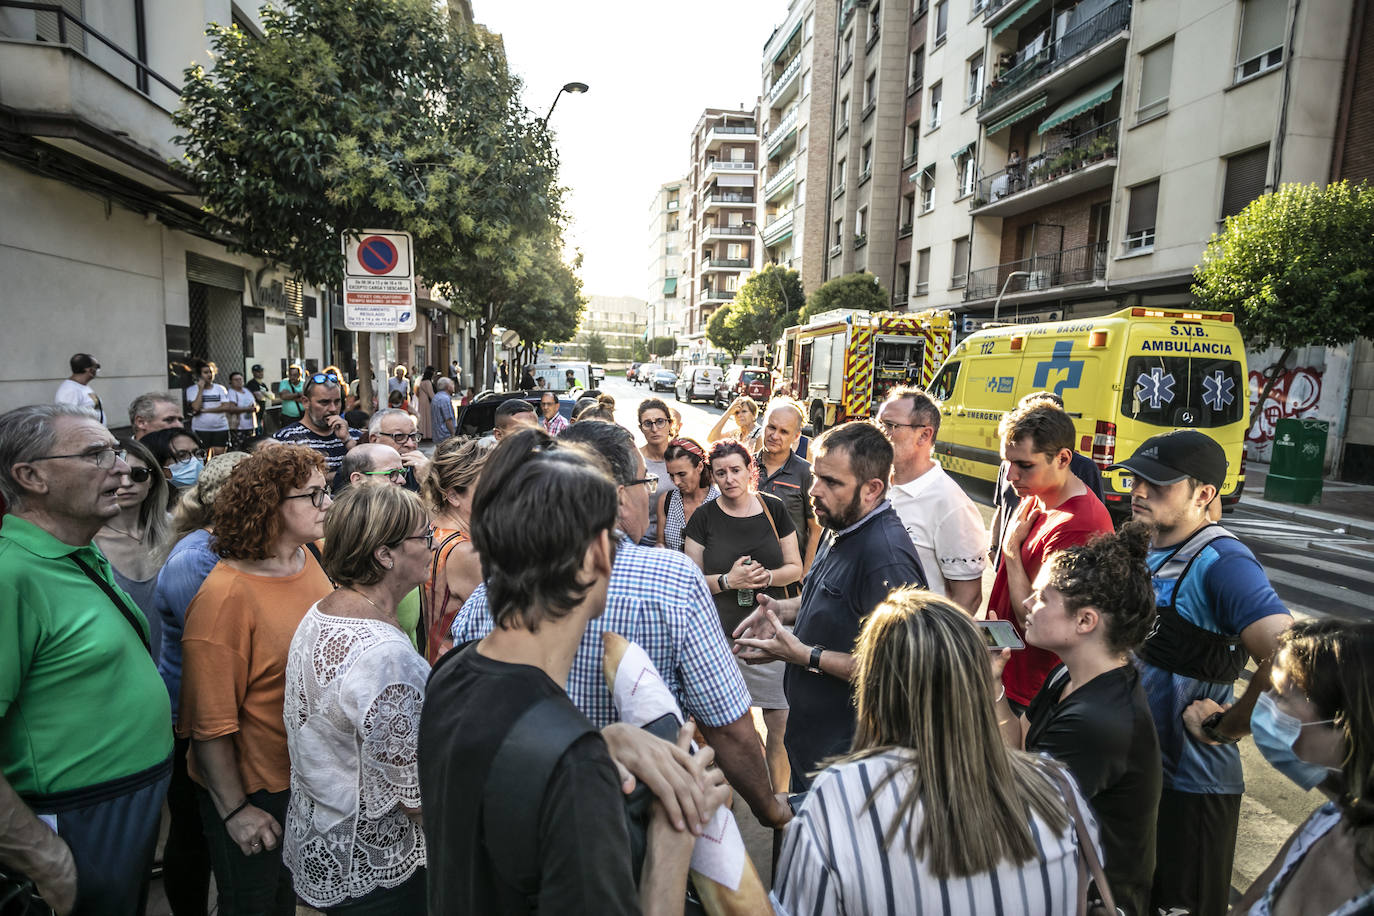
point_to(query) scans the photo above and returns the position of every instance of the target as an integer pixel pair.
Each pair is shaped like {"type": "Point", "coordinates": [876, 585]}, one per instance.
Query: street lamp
{"type": "Point", "coordinates": [996, 306]}
{"type": "Point", "coordinates": [567, 87]}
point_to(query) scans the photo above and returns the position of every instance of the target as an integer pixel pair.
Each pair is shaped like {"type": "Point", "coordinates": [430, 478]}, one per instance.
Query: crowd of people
{"type": "Point", "coordinates": [373, 680]}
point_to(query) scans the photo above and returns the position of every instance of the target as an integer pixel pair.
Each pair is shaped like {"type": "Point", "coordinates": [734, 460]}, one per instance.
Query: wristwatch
{"type": "Point", "coordinates": [1209, 728]}
{"type": "Point", "coordinates": [814, 666]}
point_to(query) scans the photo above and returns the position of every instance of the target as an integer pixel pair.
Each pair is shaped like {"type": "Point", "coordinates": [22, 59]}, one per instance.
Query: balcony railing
{"type": "Point", "coordinates": [709, 294]}
{"type": "Point", "coordinates": [789, 73]}
{"type": "Point", "coordinates": [776, 227]}
{"type": "Point", "coordinates": [745, 129]}
{"type": "Point", "coordinates": [729, 230]}
{"type": "Point", "coordinates": [835, 250]}
{"type": "Point", "coordinates": [69, 26]}
{"type": "Point", "coordinates": [1084, 149]}
{"type": "Point", "coordinates": [724, 263]}
{"type": "Point", "coordinates": [1042, 271]}
{"type": "Point", "coordinates": [730, 164]}
{"type": "Point", "coordinates": [992, 6]}
{"type": "Point", "coordinates": [1058, 54]}
{"type": "Point", "coordinates": [779, 178]}
{"type": "Point", "coordinates": [778, 134]}
{"type": "Point", "coordinates": [729, 199]}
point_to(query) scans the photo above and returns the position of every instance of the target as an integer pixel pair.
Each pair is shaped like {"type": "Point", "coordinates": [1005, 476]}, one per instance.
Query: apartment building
{"type": "Point", "coordinates": [722, 215]}
{"type": "Point", "coordinates": [663, 301]}
{"type": "Point", "coordinates": [619, 320]}
{"type": "Point", "coordinates": [796, 107]}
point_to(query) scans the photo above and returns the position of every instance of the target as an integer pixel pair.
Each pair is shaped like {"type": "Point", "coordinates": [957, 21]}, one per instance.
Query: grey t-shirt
{"type": "Point", "coordinates": [661, 469]}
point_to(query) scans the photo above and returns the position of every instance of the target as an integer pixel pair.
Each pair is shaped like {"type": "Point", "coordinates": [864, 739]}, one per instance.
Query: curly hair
{"type": "Point", "coordinates": [1109, 573]}
{"type": "Point", "coordinates": [457, 463]}
{"type": "Point", "coordinates": [724, 448]}
{"type": "Point", "coordinates": [246, 516]}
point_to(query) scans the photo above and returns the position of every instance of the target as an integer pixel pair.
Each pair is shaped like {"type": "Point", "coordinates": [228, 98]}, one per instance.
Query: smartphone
{"type": "Point", "coordinates": [999, 634]}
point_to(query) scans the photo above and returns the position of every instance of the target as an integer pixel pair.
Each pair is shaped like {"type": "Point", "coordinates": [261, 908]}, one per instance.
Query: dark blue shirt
{"type": "Point", "coordinates": [853, 572]}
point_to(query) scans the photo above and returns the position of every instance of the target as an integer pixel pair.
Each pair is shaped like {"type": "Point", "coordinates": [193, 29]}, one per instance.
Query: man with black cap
{"type": "Point", "coordinates": [1216, 610]}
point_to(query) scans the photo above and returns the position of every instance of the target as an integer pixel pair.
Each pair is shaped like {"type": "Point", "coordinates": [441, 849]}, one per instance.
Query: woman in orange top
{"type": "Point", "coordinates": [455, 570]}
{"type": "Point", "coordinates": [238, 630]}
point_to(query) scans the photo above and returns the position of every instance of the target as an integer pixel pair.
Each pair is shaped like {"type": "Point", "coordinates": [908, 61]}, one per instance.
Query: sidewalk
{"type": "Point", "coordinates": [1344, 507]}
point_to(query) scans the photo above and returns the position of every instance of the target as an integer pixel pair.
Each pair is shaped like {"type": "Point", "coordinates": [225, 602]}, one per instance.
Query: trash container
{"type": "Point", "coordinates": [1295, 465]}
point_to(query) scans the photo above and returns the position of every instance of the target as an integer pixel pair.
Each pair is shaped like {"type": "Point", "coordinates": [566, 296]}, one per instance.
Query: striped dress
{"type": "Point", "coordinates": [834, 860]}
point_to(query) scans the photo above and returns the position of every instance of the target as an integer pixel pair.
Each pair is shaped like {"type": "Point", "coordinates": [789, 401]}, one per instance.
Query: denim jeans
{"type": "Point", "coordinates": [258, 885]}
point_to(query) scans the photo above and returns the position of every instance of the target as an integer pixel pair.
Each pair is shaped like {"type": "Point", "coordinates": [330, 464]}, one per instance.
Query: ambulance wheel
{"type": "Point", "coordinates": [817, 419]}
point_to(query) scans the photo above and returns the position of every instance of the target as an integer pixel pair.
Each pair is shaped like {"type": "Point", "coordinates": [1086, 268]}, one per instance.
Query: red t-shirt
{"type": "Point", "coordinates": [1073, 522]}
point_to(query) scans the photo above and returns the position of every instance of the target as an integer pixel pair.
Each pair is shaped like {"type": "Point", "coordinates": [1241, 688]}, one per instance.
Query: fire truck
{"type": "Point", "coordinates": [843, 363]}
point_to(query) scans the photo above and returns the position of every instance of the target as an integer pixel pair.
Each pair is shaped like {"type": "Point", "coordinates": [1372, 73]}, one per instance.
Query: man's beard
{"type": "Point", "coordinates": [851, 514]}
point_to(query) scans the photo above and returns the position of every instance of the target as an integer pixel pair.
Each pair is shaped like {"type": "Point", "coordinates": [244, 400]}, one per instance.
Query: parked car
{"type": "Point", "coordinates": [698, 383]}
{"type": "Point", "coordinates": [478, 418]}
{"type": "Point", "coordinates": [663, 380]}
{"type": "Point", "coordinates": [753, 381]}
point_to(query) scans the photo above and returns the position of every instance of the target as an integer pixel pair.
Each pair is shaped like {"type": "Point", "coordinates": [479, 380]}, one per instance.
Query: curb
{"type": "Point", "coordinates": [1307, 515]}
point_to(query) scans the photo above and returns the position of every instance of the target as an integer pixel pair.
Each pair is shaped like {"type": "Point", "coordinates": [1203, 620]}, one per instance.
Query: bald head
{"type": "Point", "coordinates": [370, 462]}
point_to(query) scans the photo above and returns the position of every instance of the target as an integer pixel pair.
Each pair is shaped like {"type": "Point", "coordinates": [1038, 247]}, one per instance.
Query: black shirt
{"type": "Point", "coordinates": [1104, 734]}
{"type": "Point", "coordinates": [727, 538]}
{"type": "Point", "coordinates": [791, 483]}
{"type": "Point", "coordinates": [853, 572]}
{"type": "Point", "coordinates": [470, 705]}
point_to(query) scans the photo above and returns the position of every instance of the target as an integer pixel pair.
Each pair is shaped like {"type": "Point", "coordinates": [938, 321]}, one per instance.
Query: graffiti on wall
{"type": "Point", "coordinates": [1296, 394]}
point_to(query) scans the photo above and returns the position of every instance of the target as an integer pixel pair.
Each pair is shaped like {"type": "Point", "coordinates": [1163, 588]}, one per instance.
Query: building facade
{"type": "Point", "coordinates": [664, 303]}
{"type": "Point", "coordinates": [618, 320]}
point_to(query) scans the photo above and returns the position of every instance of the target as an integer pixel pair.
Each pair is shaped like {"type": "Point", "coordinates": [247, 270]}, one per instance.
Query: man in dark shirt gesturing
{"type": "Point", "coordinates": [864, 554]}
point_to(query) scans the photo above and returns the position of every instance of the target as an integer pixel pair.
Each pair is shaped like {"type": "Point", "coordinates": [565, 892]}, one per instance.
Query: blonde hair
{"type": "Point", "coordinates": [362, 520]}
{"type": "Point", "coordinates": [922, 681]}
{"type": "Point", "coordinates": [456, 466]}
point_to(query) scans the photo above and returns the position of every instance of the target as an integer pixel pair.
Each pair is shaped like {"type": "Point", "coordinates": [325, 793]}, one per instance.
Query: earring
{"type": "Point", "coordinates": [389, 565]}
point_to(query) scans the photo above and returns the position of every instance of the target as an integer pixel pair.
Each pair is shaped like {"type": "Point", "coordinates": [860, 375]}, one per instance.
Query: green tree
{"type": "Point", "coordinates": [546, 305]}
{"type": "Point", "coordinates": [596, 347]}
{"type": "Point", "coordinates": [764, 301]}
{"type": "Point", "coordinates": [852, 291]}
{"type": "Point", "coordinates": [353, 114]}
{"type": "Point", "coordinates": [1296, 267]}
{"type": "Point", "coordinates": [722, 331]}
{"type": "Point", "coordinates": [639, 351]}
{"type": "Point", "coordinates": [663, 346]}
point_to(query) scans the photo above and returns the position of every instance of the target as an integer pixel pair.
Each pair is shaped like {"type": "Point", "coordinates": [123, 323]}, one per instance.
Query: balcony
{"type": "Point", "coordinates": [726, 231]}
{"type": "Point", "coordinates": [787, 127]}
{"type": "Point", "coordinates": [1083, 163]}
{"type": "Point", "coordinates": [729, 165]}
{"type": "Point", "coordinates": [1072, 48]}
{"type": "Point", "coordinates": [836, 250]}
{"type": "Point", "coordinates": [1085, 264]}
{"type": "Point", "coordinates": [781, 179]}
{"type": "Point", "coordinates": [860, 240]}
{"type": "Point", "coordinates": [778, 228]}
{"type": "Point", "coordinates": [785, 85]}
{"type": "Point", "coordinates": [709, 295]}
{"type": "Point", "coordinates": [726, 199]}
{"type": "Point", "coordinates": [994, 10]}
{"type": "Point", "coordinates": [868, 109]}
{"type": "Point", "coordinates": [722, 133]}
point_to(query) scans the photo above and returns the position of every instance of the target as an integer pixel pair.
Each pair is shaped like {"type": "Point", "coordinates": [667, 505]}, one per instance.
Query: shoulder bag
{"type": "Point", "coordinates": [1089, 866]}
{"type": "Point", "coordinates": [787, 590]}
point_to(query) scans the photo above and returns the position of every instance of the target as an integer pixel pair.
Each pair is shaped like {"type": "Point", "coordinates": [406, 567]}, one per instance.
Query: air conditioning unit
{"type": "Point", "coordinates": [1039, 279]}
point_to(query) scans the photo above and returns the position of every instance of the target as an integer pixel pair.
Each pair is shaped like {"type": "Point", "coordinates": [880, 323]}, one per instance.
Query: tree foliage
{"type": "Point", "coordinates": [765, 301]}
{"type": "Point", "coordinates": [596, 347]}
{"type": "Point", "coordinates": [663, 347]}
{"type": "Point", "coordinates": [859, 290]}
{"type": "Point", "coordinates": [1296, 267]}
{"type": "Point", "coordinates": [639, 351]}
{"type": "Point", "coordinates": [723, 331]}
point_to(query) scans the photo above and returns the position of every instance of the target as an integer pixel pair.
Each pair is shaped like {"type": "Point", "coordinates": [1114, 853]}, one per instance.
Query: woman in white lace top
{"type": "Point", "coordinates": [354, 686]}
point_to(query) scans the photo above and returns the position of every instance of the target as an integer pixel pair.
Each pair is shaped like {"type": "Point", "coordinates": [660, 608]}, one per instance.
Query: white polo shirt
{"type": "Point", "coordinates": [945, 527]}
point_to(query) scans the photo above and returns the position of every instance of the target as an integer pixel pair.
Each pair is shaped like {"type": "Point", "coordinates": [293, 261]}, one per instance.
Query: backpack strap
{"type": "Point", "coordinates": [1178, 564]}
{"type": "Point", "coordinates": [513, 794]}
{"type": "Point", "coordinates": [116, 600]}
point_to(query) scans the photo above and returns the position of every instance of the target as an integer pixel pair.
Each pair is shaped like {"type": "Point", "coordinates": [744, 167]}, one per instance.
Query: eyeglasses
{"type": "Point", "coordinates": [140, 475]}
{"type": "Point", "coordinates": [402, 438]}
{"type": "Point", "coordinates": [889, 426]}
{"type": "Point", "coordinates": [653, 424]}
{"type": "Point", "coordinates": [104, 458]}
{"type": "Point", "coordinates": [319, 378]}
{"type": "Point", "coordinates": [316, 496]}
{"type": "Point", "coordinates": [650, 481]}
{"type": "Point", "coordinates": [427, 537]}
{"type": "Point", "coordinates": [180, 455]}
{"type": "Point", "coordinates": [395, 475]}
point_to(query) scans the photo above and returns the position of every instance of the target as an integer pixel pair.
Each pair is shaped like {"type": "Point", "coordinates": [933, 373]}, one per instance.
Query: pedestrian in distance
{"type": "Point", "coordinates": [153, 411]}
{"type": "Point", "coordinates": [744, 544]}
{"type": "Point", "coordinates": [354, 688]}
{"type": "Point", "coordinates": [864, 555]}
{"type": "Point", "coordinates": [424, 397]}
{"type": "Point", "coordinates": [238, 629]}
{"type": "Point", "coordinates": [1316, 726]}
{"type": "Point", "coordinates": [401, 384]}
{"type": "Point", "coordinates": [322, 427]}
{"type": "Point", "coordinates": [76, 389]}
{"type": "Point", "coordinates": [179, 455]}
{"type": "Point", "coordinates": [927, 811]}
{"type": "Point", "coordinates": [544, 516]}
{"type": "Point", "coordinates": [1093, 606]}
{"type": "Point", "coordinates": [291, 393]}
{"type": "Point", "coordinates": [527, 382]}
{"type": "Point", "coordinates": [1216, 610]}
{"type": "Point", "coordinates": [243, 410]}
{"type": "Point", "coordinates": [262, 394]}
{"type": "Point", "coordinates": [552, 421]}
{"type": "Point", "coordinates": [441, 415]}
{"type": "Point", "coordinates": [654, 425]}
{"type": "Point", "coordinates": [784, 473]}
{"type": "Point", "coordinates": [210, 407]}
{"type": "Point", "coordinates": [689, 487]}
{"type": "Point", "coordinates": [455, 570]}
{"type": "Point", "coordinates": [85, 742]}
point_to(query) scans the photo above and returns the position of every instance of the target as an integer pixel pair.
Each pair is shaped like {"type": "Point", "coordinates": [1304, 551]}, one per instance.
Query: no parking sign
{"type": "Point", "coordinates": [379, 280]}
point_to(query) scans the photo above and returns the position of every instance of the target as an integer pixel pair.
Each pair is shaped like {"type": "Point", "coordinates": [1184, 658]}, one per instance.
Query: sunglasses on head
{"type": "Point", "coordinates": [319, 378]}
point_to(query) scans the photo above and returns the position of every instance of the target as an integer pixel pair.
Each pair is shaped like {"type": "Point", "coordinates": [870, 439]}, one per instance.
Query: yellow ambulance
{"type": "Point", "coordinates": [1124, 377]}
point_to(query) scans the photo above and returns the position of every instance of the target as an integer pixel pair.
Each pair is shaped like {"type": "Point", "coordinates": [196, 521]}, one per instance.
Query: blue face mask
{"type": "Point", "coordinates": [1275, 732]}
{"type": "Point", "coordinates": [186, 473]}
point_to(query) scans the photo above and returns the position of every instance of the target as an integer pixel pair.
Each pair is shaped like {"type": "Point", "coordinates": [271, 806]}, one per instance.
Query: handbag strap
{"type": "Point", "coordinates": [1089, 850]}
{"type": "Point", "coordinates": [118, 602]}
{"type": "Point", "coordinates": [786, 589]}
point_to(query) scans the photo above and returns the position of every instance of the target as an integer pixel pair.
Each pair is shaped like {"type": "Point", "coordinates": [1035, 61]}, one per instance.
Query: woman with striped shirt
{"type": "Point", "coordinates": [929, 812]}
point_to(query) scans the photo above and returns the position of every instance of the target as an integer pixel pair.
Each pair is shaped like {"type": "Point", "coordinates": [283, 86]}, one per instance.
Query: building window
{"type": "Point", "coordinates": [1140, 217]}
{"type": "Point", "coordinates": [875, 18]}
{"type": "Point", "coordinates": [917, 73]}
{"type": "Point", "coordinates": [848, 55]}
{"type": "Point", "coordinates": [928, 189]}
{"type": "Point", "coordinates": [1156, 68]}
{"type": "Point", "coordinates": [799, 195]}
{"type": "Point", "coordinates": [958, 276]}
{"type": "Point", "coordinates": [839, 232]}
{"type": "Point", "coordinates": [975, 79]}
{"type": "Point", "coordinates": [913, 140]}
{"type": "Point", "coordinates": [809, 29]}
{"type": "Point", "coordinates": [806, 84]}
{"type": "Point", "coordinates": [839, 173]}
{"type": "Point", "coordinates": [941, 21]}
{"type": "Point", "coordinates": [866, 160]}
{"type": "Point", "coordinates": [844, 113]}
{"type": "Point", "coordinates": [1245, 176]}
{"type": "Point", "coordinates": [903, 281]}
{"type": "Point", "coordinates": [908, 211]}
{"type": "Point", "coordinates": [937, 94]}
{"type": "Point", "coordinates": [968, 172]}
{"type": "Point", "coordinates": [801, 138]}
{"type": "Point", "coordinates": [1261, 37]}
{"type": "Point", "coordinates": [861, 224]}
{"type": "Point", "coordinates": [923, 271]}
{"type": "Point", "coordinates": [871, 89]}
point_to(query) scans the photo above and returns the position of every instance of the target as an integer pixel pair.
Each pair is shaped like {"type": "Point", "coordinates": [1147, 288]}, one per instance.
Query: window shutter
{"type": "Point", "coordinates": [1261, 27]}
{"type": "Point", "coordinates": [1156, 69]}
{"type": "Point", "coordinates": [1245, 176]}
{"type": "Point", "coordinates": [1144, 201]}
{"type": "Point", "coordinates": [221, 274]}
{"type": "Point", "coordinates": [923, 267]}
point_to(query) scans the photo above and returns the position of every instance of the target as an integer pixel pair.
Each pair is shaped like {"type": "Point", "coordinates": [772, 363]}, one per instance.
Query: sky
{"type": "Point", "coordinates": [651, 67]}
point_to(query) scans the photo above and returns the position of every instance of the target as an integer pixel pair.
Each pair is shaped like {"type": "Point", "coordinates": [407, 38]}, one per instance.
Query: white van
{"type": "Point", "coordinates": [697, 383]}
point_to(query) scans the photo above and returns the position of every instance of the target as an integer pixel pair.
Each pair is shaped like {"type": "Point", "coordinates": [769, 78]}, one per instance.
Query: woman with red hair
{"type": "Point", "coordinates": [238, 630]}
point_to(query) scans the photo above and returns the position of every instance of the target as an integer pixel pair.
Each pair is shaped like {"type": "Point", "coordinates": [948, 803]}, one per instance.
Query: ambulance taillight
{"type": "Point", "coordinates": [1104, 444]}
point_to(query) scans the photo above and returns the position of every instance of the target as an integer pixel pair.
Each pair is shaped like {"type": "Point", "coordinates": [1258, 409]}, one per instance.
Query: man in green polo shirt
{"type": "Point", "coordinates": [291, 391]}
{"type": "Point", "coordinates": [85, 722]}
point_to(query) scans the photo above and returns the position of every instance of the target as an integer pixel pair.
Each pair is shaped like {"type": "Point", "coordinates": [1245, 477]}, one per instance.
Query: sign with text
{"type": "Point", "coordinates": [379, 280]}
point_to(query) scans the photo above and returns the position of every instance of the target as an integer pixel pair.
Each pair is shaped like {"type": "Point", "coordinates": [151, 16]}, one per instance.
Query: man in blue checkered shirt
{"type": "Point", "coordinates": [658, 599]}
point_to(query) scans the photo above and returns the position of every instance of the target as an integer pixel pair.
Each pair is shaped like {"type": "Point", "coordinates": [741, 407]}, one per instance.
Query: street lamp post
{"type": "Point", "coordinates": [567, 87]}
{"type": "Point", "coordinates": [997, 306]}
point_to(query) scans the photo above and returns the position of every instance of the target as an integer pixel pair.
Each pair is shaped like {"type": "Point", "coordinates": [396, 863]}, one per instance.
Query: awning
{"type": "Point", "coordinates": [1094, 95]}
{"type": "Point", "coordinates": [961, 151]}
{"type": "Point", "coordinates": [1023, 112]}
{"type": "Point", "coordinates": [1011, 18]}
{"type": "Point", "coordinates": [670, 286]}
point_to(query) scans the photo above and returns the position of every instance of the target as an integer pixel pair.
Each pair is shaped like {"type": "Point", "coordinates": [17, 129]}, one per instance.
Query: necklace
{"type": "Point", "coordinates": [385, 615]}
{"type": "Point", "coordinates": [127, 534]}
